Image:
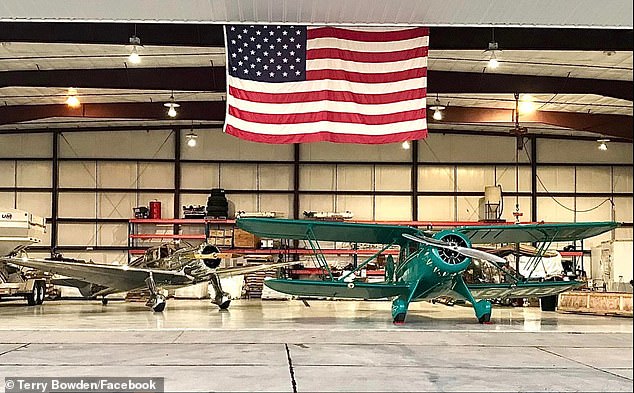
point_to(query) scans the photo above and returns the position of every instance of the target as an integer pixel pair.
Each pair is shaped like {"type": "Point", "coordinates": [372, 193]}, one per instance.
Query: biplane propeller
{"type": "Point", "coordinates": [426, 267]}
{"type": "Point", "coordinates": [456, 249]}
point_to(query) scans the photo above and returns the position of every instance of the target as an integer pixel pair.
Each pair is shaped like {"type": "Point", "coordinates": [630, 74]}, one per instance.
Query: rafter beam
{"type": "Point", "coordinates": [490, 83]}
{"type": "Point", "coordinates": [191, 110]}
{"type": "Point", "coordinates": [161, 78]}
{"type": "Point", "coordinates": [442, 38]}
{"type": "Point", "coordinates": [213, 79]}
{"type": "Point", "coordinates": [619, 126]}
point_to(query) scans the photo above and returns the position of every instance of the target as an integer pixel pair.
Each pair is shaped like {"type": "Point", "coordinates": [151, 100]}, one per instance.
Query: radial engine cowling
{"type": "Point", "coordinates": [211, 263]}
{"type": "Point", "coordinates": [447, 260]}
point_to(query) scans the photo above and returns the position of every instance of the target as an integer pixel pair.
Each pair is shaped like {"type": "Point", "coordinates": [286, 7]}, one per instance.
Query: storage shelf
{"type": "Point", "coordinates": [165, 236]}
{"type": "Point", "coordinates": [176, 221]}
{"type": "Point", "coordinates": [309, 271]}
{"type": "Point", "coordinates": [304, 251]}
{"type": "Point", "coordinates": [571, 253]}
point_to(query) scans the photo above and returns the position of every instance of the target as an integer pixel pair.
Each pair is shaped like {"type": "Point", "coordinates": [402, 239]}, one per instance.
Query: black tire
{"type": "Point", "coordinates": [104, 301]}
{"type": "Point", "coordinates": [548, 303]}
{"type": "Point", "coordinates": [486, 318]}
{"type": "Point", "coordinates": [41, 292]}
{"type": "Point", "coordinates": [399, 318]}
{"type": "Point", "coordinates": [159, 303]}
{"type": "Point", "coordinates": [31, 298]}
{"type": "Point", "coordinates": [217, 208]}
{"type": "Point", "coordinates": [217, 213]}
{"type": "Point", "coordinates": [224, 305]}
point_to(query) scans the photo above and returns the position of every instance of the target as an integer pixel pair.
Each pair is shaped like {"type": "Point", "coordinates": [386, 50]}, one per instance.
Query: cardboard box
{"type": "Point", "coordinates": [244, 239]}
{"type": "Point", "coordinates": [216, 233]}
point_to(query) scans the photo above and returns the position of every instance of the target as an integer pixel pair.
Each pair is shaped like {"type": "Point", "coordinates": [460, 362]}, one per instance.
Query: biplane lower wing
{"type": "Point", "coordinates": [521, 289]}
{"type": "Point", "coordinates": [357, 290]}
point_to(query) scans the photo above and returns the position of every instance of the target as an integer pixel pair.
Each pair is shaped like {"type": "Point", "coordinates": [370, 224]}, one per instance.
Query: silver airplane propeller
{"type": "Point", "coordinates": [469, 252]}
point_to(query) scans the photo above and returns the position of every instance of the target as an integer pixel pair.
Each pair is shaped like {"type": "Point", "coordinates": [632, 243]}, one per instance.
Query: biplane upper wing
{"type": "Point", "coordinates": [529, 233]}
{"type": "Point", "coordinates": [326, 230]}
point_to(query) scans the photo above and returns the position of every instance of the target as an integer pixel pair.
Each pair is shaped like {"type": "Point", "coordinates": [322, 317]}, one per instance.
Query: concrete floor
{"type": "Point", "coordinates": [330, 346]}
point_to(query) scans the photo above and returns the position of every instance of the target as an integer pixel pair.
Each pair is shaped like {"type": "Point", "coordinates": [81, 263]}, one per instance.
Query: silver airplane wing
{"type": "Point", "coordinates": [120, 278]}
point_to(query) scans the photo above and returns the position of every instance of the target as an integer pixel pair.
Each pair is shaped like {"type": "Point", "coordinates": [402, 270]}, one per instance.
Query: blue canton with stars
{"type": "Point", "coordinates": [267, 53]}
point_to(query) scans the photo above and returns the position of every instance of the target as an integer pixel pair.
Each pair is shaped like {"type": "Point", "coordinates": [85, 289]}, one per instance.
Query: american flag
{"type": "Point", "coordinates": [295, 84]}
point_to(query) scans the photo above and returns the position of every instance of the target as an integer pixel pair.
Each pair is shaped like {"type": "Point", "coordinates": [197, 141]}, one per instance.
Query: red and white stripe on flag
{"type": "Point", "coordinates": [297, 84]}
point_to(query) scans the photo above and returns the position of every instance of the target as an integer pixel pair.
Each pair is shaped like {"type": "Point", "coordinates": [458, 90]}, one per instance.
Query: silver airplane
{"type": "Point", "coordinates": [166, 266]}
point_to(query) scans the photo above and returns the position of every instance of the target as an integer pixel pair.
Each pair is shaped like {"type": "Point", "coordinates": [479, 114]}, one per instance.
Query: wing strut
{"type": "Point", "coordinates": [314, 245]}
{"type": "Point", "coordinates": [538, 257]}
{"type": "Point", "coordinates": [368, 260]}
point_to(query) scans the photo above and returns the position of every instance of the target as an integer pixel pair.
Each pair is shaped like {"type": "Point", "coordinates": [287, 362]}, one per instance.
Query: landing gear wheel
{"type": "Point", "coordinates": [32, 297]}
{"type": "Point", "coordinates": [399, 319]}
{"type": "Point", "coordinates": [41, 292]}
{"type": "Point", "coordinates": [486, 318]}
{"type": "Point", "coordinates": [222, 302]}
{"type": "Point", "coordinates": [104, 301]}
{"type": "Point", "coordinates": [158, 304]}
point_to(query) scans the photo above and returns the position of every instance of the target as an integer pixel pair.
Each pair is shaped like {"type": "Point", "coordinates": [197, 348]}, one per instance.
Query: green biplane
{"type": "Point", "coordinates": [427, 266]}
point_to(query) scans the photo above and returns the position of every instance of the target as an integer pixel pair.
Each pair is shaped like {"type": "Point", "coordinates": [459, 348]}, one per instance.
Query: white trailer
{"type": "Point", "coordinates": [18, 230]}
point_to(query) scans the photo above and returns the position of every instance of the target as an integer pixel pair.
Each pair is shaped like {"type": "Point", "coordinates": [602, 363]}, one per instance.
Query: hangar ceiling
{"type": "Point", "coordinates": [534, 13]}
{"type": "Point", "coordinates": [580, 80]}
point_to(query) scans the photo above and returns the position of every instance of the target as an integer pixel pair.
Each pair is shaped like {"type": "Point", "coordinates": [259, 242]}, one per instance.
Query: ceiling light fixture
{"type": "Point", "coordinates": [135, 42]}
{"type": "Point", "coordinates": [172, 105]}
{"type": "Point", "coordinates": [603, 144]}
{"type": "Point", "coordinates": [191, 138]}
{"type": "Point", "coordinates": [437, 108]}
{"type": "Point", "coordinates": [493, 47]}
{"type": "Point", "coordinates": [527, 104]}
{"type": "Point", "coordinates": [134, 55]}
{"type": "Point", "coordinates": [405, 145]}
{"type": "Point", "coordinates": [72, 100]}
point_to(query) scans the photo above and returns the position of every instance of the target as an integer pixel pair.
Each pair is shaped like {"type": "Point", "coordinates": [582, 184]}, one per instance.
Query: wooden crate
{"type": "Point", "coordinates": [244, 239]}
{"type": "Point", "coordinates": [598, 303]}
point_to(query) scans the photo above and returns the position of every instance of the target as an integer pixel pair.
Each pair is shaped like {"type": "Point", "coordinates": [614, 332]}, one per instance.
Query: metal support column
{"type": "Point", "coordinates": [533, 179]}
{"type": "Point", "coordinates": [296, 181]}
{"type": "Point", "coordinates": [414, 180]}
{"type": "Point", "coordinates": [177, 176]}
{"type": "Point", "coordinates": [55, 193]}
